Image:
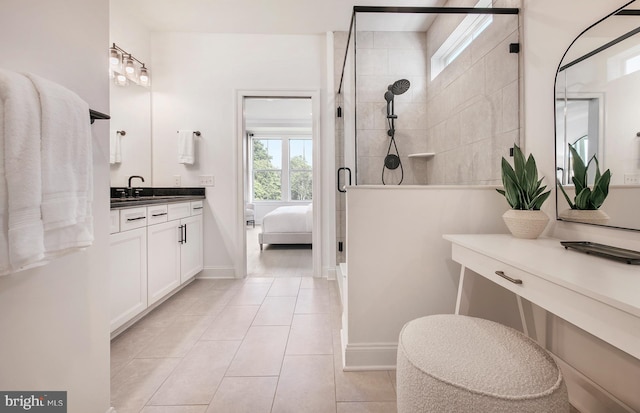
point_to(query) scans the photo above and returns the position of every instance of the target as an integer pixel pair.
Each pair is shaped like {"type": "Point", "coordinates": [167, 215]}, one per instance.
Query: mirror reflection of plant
{"type": "Point", "coordinates": [522, 189]}
{"type": "Point", "coordinates": [585, 197]}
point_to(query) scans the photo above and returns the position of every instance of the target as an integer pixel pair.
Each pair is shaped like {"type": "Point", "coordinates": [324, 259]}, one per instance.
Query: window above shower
{"type": "Point", "coordinates": [465, 117]}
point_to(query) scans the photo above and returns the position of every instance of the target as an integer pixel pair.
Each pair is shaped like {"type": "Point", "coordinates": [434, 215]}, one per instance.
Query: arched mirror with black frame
{"type": "Point", "coordinates": [597, 107]}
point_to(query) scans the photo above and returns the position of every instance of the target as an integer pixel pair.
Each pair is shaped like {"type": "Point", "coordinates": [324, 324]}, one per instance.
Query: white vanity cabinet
{"type": "Point", "coordinates": [191, 251]}
{"type": "Point", "coordinates": [175, 252]}
{"type": "Point", "coordinates": [164, 259]}
{"type": "Point", "coordinates": [128, 270]}
{"type": "Point", "coordinates": [157, 249]}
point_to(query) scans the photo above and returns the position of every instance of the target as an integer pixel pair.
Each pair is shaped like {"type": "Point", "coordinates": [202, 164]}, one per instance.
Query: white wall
{"type": "Point", "coordinates": [549, 28]}
{"type": "Point", "coordinates": [195, 81]}
{"type": "Point", "coordinates": [413, 274]}
{"type": "Point", "coordinates": [54, 319]}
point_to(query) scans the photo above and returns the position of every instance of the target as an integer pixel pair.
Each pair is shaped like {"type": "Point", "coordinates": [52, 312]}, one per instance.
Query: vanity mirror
{"type": "Point", "coordinates": [596, 107]}
{"type": "Point", "coordinates": [131, 116]}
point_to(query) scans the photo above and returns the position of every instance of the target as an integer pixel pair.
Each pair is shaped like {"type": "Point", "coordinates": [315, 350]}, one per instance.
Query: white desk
{"type": "Point", "coordinates": [598, 295]}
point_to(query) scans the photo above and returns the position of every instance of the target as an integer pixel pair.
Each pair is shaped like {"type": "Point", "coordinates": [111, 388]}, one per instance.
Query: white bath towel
{"type": "Point", "coordinates": [67, 168]}
{"type": "Point", "coordinates": [21, 226]}
{"type": "Point", "coordinates": [115, 149]}
{"type": "Point", "coordinates": [186, 148]}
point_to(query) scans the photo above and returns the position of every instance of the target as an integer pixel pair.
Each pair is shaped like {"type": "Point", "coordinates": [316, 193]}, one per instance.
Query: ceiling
{"type": "Point", "coordinates": [256, 16]}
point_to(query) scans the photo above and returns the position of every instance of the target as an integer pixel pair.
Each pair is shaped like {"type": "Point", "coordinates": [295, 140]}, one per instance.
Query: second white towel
{"type": "Point", "coordinates": [186, 149]}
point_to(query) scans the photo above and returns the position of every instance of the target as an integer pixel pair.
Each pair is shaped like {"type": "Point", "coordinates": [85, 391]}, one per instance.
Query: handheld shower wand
{"type": "Point", "coordinates": [392, 161]}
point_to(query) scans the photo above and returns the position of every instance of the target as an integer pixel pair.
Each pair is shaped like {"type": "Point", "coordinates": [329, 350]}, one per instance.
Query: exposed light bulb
{"type": "Point", "coordinates": [128, 65]}
{"type": "Point", "coordinates": [144, 76]}
{"type": "Point", "coordinates": [120, 79]}
{"type": "Point", "coordinates": [114, 57]}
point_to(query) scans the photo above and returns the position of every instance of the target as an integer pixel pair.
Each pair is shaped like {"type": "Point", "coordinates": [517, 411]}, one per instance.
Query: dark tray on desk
{"type": "Point", "coordinates": [605, 251]}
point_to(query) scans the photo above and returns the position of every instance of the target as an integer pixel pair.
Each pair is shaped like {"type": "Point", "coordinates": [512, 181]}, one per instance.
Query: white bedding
{"type": "Point", "coordinates": [297, 218]}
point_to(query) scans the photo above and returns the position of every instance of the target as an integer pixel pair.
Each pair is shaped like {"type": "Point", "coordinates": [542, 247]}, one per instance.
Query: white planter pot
{"type": "Point", "coordinates": [525, 224]}
{"type": "Point", "coordinates": [588, 216]}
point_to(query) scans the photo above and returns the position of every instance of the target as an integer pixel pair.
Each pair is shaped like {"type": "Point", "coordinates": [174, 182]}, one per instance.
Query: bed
{"type": "Point", "coordinates": [287, 225]}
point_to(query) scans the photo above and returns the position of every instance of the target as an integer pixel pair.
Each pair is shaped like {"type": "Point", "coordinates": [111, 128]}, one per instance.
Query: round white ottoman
{"type": "Point", "coordinates": [453, 363]}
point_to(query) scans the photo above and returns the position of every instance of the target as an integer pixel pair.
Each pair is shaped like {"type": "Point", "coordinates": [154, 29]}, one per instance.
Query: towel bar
{"type": "Point", "coordinates": [94, 114]}
{"type": "Point", "coordinates": [196, 132]}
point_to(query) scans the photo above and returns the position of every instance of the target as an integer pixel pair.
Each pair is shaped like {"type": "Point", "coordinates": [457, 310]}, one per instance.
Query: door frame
{"type": "Point", "coordinates": [240, 133]}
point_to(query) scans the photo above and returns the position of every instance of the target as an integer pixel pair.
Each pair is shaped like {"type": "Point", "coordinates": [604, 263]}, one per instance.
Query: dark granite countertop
{"type": "Point", "coordinates": [151, 196]}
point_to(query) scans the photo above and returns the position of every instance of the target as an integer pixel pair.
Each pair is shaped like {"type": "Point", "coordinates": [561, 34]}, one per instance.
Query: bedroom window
{"type": "Point", "coordinates": [267, 169]}
{"type": "Point", "coordinates": [275, 180]}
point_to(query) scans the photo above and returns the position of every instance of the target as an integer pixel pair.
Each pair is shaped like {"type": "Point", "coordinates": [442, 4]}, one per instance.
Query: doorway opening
{"type": "Point", "coordinates": [279, 161]}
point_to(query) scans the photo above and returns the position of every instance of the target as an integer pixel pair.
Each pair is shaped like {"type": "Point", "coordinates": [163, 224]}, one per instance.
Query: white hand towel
{"type": "Point", "coordinates": [67, 168]}
{"type": "Point", "coordinates": [21, 227]}
{"type": "Point", "coordinates": [115, 149]}
{"type": "Point", "coordinates": [185, 147]}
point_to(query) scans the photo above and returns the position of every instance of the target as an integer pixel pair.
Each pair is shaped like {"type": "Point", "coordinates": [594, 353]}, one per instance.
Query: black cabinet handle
{"type": "Point", "coordinates": [159, 215]}
{"type": "Point", "coordinates": [135, 219]}
{"type": "Point", "coordinates": [185, 233]}
{"type": "Point", "coordinates": [181, 240]}
{"type": "Point", "coordinates": [197, 207]}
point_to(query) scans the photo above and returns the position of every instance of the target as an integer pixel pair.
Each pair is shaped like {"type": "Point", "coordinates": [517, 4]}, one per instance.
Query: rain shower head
{"type": "Point", "coordinates": [398, 87]}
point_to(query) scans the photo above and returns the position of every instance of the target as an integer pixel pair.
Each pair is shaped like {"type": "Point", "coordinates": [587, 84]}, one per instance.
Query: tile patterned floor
{"type": "Point", "coordinates": [266, 344]}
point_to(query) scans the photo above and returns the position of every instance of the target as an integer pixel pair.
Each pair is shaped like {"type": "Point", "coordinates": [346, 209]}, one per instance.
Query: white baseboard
{"type": "Point", "coordinates": [330, 273]}
{"type": "Point", "coordinates": [370, 356]}
{"type": "Point", "coordinates": [217, 272]}
{"type": "Point", "coordinates": [586, 396]}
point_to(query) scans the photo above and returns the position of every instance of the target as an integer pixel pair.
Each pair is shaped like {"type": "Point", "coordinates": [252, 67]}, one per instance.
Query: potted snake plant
{"type": "Point", "coordinates": [586, 203]}
{"type": "Point", "coordinates": [525, 194]}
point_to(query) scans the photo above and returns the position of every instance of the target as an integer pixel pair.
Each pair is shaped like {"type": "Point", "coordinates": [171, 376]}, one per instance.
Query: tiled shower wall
{"type": "Point", "coordinates": [472, 106]}
{"type": "Point", "coordinates": [381, 59]}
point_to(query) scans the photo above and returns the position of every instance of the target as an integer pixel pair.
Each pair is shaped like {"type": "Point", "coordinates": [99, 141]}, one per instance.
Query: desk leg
{"type": "Point", "coordinates": [525, 330]}
{"type": "Point", "coordinates": [460, 285]}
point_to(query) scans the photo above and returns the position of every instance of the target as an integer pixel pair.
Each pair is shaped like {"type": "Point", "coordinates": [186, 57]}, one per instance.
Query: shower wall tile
{"type": "Point", "coordinates": [406, 62]}
{"type": "Point", "coordinates": [364, 40]}
{"type": "Point", "coordinates": [371, 88]}
{"type": "Point", "coordinates": [373, 61]}
{"type": "Point", "coordinates": [418, 90]}
{"type": "Point", "coordinates": [372, 142]}
{"type": "Point", "coordinates": [472, 106]}
{"type": "Point", "coordinates": [510, 112]}
{"type": "Point", "coordinates": [365, 114]}
{"type": "Point", "coordinates": [475, 122]}
{"type": "Point", "coordinates": [503, 68]}
{"type": "Point", "coordinates": [482, 160]}
{"type": "Point", "coordinates": [492, 39]}
{"type": "Point", "coordinates": [409, 141]}
{"type": "Point", "coordinates": [415, 171]}
{"type": "Point", "coordinates": [410, 116]}
{"type": "Point", "coordinates": [400, 40]}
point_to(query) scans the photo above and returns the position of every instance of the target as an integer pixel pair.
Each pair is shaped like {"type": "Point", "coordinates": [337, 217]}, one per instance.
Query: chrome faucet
{"type": "Point", "coordinates": [130, 189]}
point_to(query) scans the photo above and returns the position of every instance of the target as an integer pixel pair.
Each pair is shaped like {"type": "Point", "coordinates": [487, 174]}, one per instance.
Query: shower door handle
{"type": "Point", "coordinates": [343, 187]}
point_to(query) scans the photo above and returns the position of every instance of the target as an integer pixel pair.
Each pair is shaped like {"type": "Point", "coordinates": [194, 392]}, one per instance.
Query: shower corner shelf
{"type": "Point", "coordinates": [425, 155]}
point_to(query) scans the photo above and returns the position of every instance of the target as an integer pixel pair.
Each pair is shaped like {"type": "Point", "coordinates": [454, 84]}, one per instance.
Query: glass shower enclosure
{"type": "Point", "coordinates": [426, 96]}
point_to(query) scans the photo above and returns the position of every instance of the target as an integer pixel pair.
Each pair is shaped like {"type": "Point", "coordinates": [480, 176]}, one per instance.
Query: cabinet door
{"type": "Point", "coordinates": [191, 253]}
{"type": "Point", "coordinates": [128, 280]}
{"type": "Point", "coordinates": [163, 259]}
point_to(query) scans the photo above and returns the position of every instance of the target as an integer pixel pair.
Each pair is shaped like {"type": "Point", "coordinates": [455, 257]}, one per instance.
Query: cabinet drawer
{"type": "Point", "coordinates": [177, 211]}
{"type": "Point", "coordinates": [133, 218]}
{"type": "Point", "coordinates": [114, 221]}
{"type": "Point", "coordinates": [196, 207]}
{"type": "Point", "coordinates": [157, 214]}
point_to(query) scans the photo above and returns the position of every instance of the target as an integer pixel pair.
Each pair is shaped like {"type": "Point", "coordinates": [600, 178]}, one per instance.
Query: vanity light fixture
{"type": "Point", "coordinates": [124, 68]}
{"type": "Point", "coordinates": [144, 76]}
